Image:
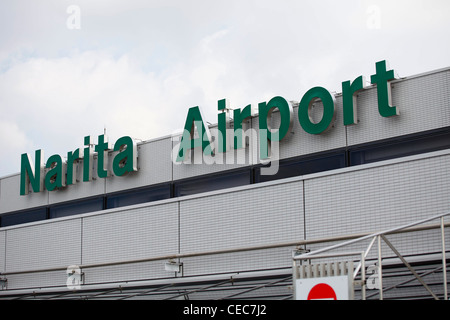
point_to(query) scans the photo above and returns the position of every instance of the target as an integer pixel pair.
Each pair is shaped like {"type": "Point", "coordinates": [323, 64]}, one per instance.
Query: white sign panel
{"type": "Point", "coordinates": [324, 288]}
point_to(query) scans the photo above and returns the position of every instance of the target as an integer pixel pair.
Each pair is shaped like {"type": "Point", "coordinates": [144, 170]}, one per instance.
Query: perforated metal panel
{"type": "Point", "coordinates": [37, 280]}
{"type": "Point", "coordinates": [238, 262]}
{"type": "Point", "coordinates": [11, 200]}
{"type": "Point", "coordinates": [80, 189]}
{"type": "Point", "coordinates": [130, 233]}
{"type": "Point", "coordinates": [2, 250]}
{"type": "Point", "coordinates": [154, 166]}
{"type": "Point", "coordinates": [377, 198]}
{"type": "Point", "coordinates": [127, 272]}
{"type": "Point", "coordinates": [242, 218]}
{"type": "Point", "coordinates": [44, 245]}
{"type": "Point", "coordinates": [423, 103]}
{"type": "Point", "coordinates": [298, 142]}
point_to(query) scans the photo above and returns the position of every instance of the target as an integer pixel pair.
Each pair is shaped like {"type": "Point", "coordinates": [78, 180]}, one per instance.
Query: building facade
{"type": "Point", "coordinates": [228, 227]}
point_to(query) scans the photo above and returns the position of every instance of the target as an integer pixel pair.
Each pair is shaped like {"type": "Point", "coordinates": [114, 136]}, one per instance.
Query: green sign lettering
{"type": "Point", "coordinates": [304, 110]}
{"type": "Point", "coordinates": [125, 161]}
{"type": "Point", "coordinates": [54, 177]}
{"type": "Point", "coordinates": [31, 174]}
{"type": "Point", "coordinates": [56, 174]}
{"type": "Point", "coordinates": [349, 91]}
{"type": "Point", "coordinates": [381, 79]}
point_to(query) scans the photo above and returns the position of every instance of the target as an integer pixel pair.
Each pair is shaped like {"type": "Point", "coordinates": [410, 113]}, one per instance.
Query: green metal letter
{"type": "Point", "coordinates": [126, 160]}
{"type": "Point", "coordinates": [381, 79]}
{"type": "Point", "coordinates": [72, 157]}
{"type": "Point", "coordinates": [102, 148]}
{"type": "Point", "coordinates": [349, 91]}
{"type": "Point", "coordinates": [88, 156]}
{"type": "Point", "coordinates": [329, 112]}
{"type": "Point", "coordinates": [223, 125]}
{"type": "Point", "coordinates": [54, 177]}
{"type": "Point", "coordinates": [31, 174]}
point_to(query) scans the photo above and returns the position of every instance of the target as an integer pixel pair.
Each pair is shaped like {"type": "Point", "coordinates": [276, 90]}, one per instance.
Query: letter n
{"type": "Point", "coordinates": [31, 175]}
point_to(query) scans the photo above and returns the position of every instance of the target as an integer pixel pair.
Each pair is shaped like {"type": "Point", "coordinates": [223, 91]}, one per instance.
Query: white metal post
{"type": "Point", "coordinates": [363, 275]}
{"type": "Point", "coordinates": [444, 261]}
{"type": "Point", "coordinates": [380, 269]}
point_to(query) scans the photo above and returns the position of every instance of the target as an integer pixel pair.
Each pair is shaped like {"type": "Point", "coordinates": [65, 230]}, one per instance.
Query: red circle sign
{"type": "Point", "coordinates": [322, 291]}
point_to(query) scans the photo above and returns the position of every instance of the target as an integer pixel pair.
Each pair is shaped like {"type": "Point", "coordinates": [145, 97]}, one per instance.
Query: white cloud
{"type": "Point", "coordinates": [12, 144]}
{"type": "Point", "coordinates": [135, 67]}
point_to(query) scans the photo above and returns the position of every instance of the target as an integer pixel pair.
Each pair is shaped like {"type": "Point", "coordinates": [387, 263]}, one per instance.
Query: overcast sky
{"type": "Point", "coordinates": [72, 68]}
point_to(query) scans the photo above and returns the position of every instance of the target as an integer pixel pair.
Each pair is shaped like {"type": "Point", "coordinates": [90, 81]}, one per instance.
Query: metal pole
{"type": "Point", "coordinates": [294, 278]}
{"type": "Point", "coordinates": [410, 268]}
{"type": "Point", "coordinates": [380, 269]}
{"type": "Point", "coordinates": [365, 255]}
{"type": "Point", "coordinates": [444, 262]}
{"type": "Point", "coordinates": [363, 275]}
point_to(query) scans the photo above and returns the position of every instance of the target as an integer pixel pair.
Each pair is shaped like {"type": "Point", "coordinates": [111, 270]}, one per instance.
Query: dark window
{"type": "Point", "coordinates": [213, 182]}
{"type": "Point", "coordinates": [76, 207]}
{"type": "Point", "coordinates": [23, 217]}
{"type": "Point", "coordinates": [395, 148]}
{"type": "Point", "coordinates": [138, 196]}
{"type": "Point", "coordinates": [306, 165]}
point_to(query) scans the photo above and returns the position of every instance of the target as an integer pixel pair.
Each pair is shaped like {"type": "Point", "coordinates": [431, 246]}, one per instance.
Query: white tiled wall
{"type": "Point", "coordinates": [43, 245]}
{"type": "Point", "coordinates": [130, 234]}
{"type": "Point", "coordinates": [367, 198]}
{"type": "Point", "coordinates": [423, 103]}
{"type": "Point", "coordinates": [249, 217]}
{"type": "Point", "coordinates": [377, 198]}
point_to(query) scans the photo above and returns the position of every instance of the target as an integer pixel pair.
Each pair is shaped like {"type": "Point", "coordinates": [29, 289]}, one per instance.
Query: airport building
{"type": "Point", "coordinates": [355, 184]}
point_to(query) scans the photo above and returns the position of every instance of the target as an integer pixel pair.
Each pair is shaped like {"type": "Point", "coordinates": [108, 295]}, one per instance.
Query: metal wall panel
{"type": "Point", "coordinates": [37, 280]}
{"type": "Point", "coordinates": [44, 245]}
{"type": "Point", "coordinates": [80, 189]}
{"type": "Point", "coordinates": [154, 164]}
{"type": "Point", "coordinates": [244, 261]}
{"type": "Point", "coordinates": [247, 217]}
{"type": "Point", "coordinates": [377, 198]}
{"type": "Point", "coordinates": [2, 251]}
{"type": "Point", "coordinates": [358, 199]}
{"type": "Point", "coordinates": [127, 272]}
{"type": "Point", "coordinates": [423, 102]}
{"type": "Point", "coordinates": [119, 235]}
{"type": "Point", "coordinates": [11, 200]}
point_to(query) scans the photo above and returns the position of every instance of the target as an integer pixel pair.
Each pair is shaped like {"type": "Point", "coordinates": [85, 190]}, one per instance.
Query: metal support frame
{"type": "Point", "coordinates": [378, 237]}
